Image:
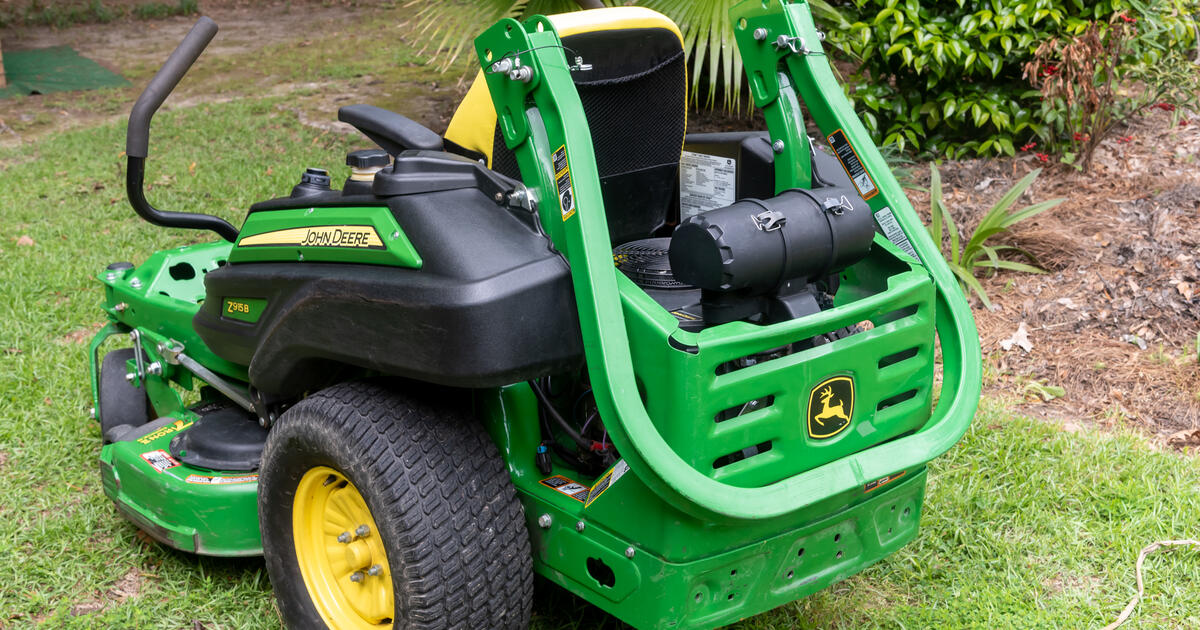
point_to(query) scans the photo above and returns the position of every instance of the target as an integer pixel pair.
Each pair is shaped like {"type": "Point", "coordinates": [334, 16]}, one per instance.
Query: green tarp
{"type": "Point", "coordinates": [56, 69]}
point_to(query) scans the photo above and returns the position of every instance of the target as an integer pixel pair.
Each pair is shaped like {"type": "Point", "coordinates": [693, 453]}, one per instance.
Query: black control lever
{"type": "Point", "coordinates": [137, 137]}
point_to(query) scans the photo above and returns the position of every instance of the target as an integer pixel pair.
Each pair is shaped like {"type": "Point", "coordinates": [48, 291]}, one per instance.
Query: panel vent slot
{"type": "Point", "coordinates": [903, 355]}
{"type": "Point", "coordinates": [745, 408]}
{"type": "Point", "coordinates": [896, 400]}
{"type": "Point", "coordinates": [745, 453]}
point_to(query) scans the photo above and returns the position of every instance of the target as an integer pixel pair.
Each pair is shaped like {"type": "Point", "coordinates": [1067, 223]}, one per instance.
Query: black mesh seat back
{"type": "Point", "coordinates": [634, 98]}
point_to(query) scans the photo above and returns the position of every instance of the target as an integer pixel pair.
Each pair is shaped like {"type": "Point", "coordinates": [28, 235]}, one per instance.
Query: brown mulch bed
{"type": "Point", "coordinates": [1116, 322]}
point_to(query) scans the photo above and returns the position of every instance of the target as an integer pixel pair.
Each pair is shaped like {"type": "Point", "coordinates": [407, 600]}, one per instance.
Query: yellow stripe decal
{"type": "Point", "coordinates": [348, 236]}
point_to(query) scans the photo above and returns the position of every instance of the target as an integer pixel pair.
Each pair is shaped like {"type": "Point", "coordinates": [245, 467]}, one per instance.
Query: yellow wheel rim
{"type": "Point", "coordinates": [341, 555]}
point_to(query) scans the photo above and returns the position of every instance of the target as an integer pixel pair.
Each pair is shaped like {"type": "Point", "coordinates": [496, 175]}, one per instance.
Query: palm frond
{"type": "Point", "coordinates": [707, 30]}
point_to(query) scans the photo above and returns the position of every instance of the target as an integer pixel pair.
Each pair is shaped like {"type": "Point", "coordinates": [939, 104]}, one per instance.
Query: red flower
{"type": "Point", "coordinates": [1049, 69]}
{"type": "Point", "coordinates": [1125, 139]}
{"type": "Point", "coordinates": [1185, 122]}
{"type": "Point", "coordinates": [1126, 19]}
{"type": "Point", "coordinates": [1166, 107]}
{"type": "Point", "coordinates": [1079, 137]}
{"type": "Point", "coordinates": [1042, 157]}
{"type": "Point", "coordinates": [1029, 146]}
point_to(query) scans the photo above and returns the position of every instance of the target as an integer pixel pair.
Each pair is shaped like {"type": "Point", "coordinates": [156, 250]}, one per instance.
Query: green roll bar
{"type": "Point", "coordinates": [781, 50]}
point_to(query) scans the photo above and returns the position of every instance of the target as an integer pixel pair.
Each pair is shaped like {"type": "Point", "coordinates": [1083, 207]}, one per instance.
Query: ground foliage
{"type": "Point", "coordinates": [948, 77]}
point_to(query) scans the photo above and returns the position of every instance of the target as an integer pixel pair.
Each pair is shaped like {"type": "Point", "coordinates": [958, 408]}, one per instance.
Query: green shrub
{"type": "Point", "coordinates": [1093, 83]}
{"type": "Point", "coordinates": [153, 10]}
{"type": "Point", "coordinates": [946, 77]}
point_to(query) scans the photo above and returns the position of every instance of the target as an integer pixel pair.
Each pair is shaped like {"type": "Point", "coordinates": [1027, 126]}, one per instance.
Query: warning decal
{"type": "Point", "coordinates": [178, 425]}
{"type": "Point", "coordinates": [159, 460]}
{"type": "Point", "coordinates": [570, 488]}
{"type": "Point", "coordinates": [894, 233]}
{"type": "Point", "coordinates": [606, 481]}
{"type": "Point", "coordinates": [854, 166]}
{"type": "Point", "coordinates": [562, 177]}
{"type": "Point", "coordinates": [217, 481]}
{"type": "Point", "coordinates": [706, 182]}
{"type": "Point", "coordinates": [873, 485]}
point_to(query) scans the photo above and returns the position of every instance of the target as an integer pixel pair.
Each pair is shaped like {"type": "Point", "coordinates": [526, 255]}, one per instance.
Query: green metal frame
{"type": "Point", "coordinates": [715, 545]}
{"type": "Point", "coordinates": [601, 296]}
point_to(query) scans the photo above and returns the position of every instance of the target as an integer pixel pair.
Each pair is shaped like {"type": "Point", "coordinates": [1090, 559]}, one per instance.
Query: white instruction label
{"type": "Point", "coordinates": [706, 182]}
{"type": "Point", "coordinates": [893, 231]}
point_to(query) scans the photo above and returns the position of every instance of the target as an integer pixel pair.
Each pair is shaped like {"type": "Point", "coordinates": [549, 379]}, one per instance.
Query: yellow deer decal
{"type": "Point", "coordinates": [828, 411]}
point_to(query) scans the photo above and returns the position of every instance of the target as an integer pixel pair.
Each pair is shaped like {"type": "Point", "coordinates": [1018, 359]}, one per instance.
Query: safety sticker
{"type": "Point", "coordinates": [562, 176]}
{"type": "Point", "coordinates": [882, 481]}
{"type": "Point", "coordinates": [606, 481]}
{"type": "Point", "coordinates": [894, 233]}
{"type": "Point", "coordinates": [159, 460]}
{"type": "Point", "coordinates": [178, 425]}
{"type": "Point", "coordinates": [573, 489]}
{"type": "Point", "coordinates": [706, 182]}
{"type": "Point", "coordinates": [854, 166]}
{"type": "Point", "coordinates": [219, 481]}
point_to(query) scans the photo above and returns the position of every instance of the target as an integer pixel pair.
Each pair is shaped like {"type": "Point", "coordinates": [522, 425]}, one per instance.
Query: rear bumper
{"type": "Point", "coordinates": [650, 592]}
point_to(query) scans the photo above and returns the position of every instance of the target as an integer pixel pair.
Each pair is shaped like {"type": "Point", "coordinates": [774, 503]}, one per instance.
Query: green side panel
{"type": "Point", "coordinates": [160, 297]}
{"type": "Point", "coordinates": [243, 309]}
{"type": "Point", "coordinates": [365, 235]}
{"type": "Point", "coordinates": [191, 509]}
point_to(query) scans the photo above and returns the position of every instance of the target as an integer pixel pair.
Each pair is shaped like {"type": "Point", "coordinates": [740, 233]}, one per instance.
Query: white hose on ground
{"type": "Point", "coordinates": [1149, 549]}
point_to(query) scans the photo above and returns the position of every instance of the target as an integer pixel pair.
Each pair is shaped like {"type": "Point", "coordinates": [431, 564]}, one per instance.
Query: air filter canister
{"type": "Point", "coordinates": [760, 244]}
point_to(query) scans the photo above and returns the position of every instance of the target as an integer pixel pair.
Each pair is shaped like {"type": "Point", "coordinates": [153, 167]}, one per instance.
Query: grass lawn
{"type": "Point", "coordinates": [1025, 526]}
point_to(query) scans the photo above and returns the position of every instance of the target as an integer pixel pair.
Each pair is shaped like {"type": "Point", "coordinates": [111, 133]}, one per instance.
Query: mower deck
{"type": "Point", "coordinates": [191, 509]}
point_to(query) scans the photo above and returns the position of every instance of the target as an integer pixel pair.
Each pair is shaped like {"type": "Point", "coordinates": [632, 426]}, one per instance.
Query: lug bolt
{"type": "Point", "coordinates": [545, 521]}
{"type": "Point", "coordinates": [375, 570]}
{"type": "Point", "coordinates": [629, 551]}
{"type": "Point", "coordinates": [357, 576]}
{"type": "Point", "coordinates": [130, 376]}
{"type": "Point", "coordinates": [362, 530]}
{"type": "Point", "coordinates": [135, 283]}
{"type": "Point", "coordinates": [580, 526]}
{"type": "Point", "coordinates": [760, 34]}
{"type": "Point", "coordinates": [344, 538]}
{"type": "Point", "coordinates": [778, 146]}
{"type": "Point", "coordinates": [120, 308]}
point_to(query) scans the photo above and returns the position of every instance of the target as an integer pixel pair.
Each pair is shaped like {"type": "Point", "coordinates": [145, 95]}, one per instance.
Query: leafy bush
{"type": "Point", "coordinates": [946, 77]}
{"type": "Point", "coordinates": [154, 10]}
{"type": "Point", "coordinates": [1094, 82]}
{"type": "Point", "coordinates": [975, 254]}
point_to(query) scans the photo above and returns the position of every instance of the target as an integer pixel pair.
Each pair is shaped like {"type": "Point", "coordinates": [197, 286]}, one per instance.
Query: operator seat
{"type": "Point", "coordinates": [635, 99]}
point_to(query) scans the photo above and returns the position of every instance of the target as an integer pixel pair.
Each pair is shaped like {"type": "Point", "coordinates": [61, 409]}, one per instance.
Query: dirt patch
{"type": "Point", "coordinates": [136, 48]}
{"type": "Point", "coordinates": [81, 335]}
{"type": "Point", "coordinates": [1115, 322]}
{"type": "Point", "coordinates": [126, 587]}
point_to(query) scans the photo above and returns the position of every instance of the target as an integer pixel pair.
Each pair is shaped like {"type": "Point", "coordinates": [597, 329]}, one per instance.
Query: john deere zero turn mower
{"type": "Point", "coordinates": [687, 377]}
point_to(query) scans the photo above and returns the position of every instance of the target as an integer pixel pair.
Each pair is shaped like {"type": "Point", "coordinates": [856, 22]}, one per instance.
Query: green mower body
{"type": "Point", "coordinates": [684, 458]}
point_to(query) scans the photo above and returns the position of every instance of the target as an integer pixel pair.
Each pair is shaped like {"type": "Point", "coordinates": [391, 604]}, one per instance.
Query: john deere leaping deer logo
{"type": "Point", "coordinates": [830, 407]}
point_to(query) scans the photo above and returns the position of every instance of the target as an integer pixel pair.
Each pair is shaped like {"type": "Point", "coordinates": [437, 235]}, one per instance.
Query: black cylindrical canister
{"type": "Point", "coordinates": [760, 244]}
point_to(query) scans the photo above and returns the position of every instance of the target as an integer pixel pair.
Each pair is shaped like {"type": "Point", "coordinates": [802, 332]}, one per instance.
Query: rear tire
{"type": "Point", "coordinates": [428, 476]}
{"type": "Point", "coordinates": [119, 404]}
